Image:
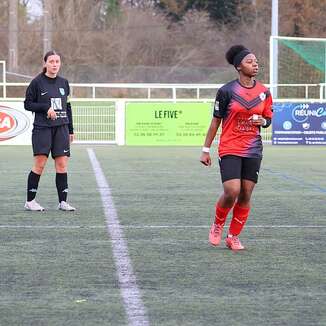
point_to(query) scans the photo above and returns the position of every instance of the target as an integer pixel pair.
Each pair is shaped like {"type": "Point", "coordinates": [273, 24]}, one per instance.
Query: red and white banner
{"type": "Point", "coordinates": [16, 124]}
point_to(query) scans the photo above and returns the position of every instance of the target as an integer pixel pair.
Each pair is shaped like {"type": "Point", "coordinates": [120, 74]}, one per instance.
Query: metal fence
{"type": "Point", "coordinates": [95, 123]}
{"type": "Point", "coordinates": [99, 107]}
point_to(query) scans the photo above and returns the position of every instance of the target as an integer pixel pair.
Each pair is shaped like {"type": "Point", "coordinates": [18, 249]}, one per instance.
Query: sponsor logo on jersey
{"type": "Point", "coordinates": [56, 103]}
{"type": "Point", "coordinates": [62, 91]}
{"type": "Point", "coordinates": [43, 93]}
{"type": "Point", "coordinates": [13, 122]}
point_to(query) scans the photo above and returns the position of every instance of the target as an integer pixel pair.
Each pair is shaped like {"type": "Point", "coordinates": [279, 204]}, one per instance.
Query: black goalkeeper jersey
{"type": "Point", "coordinates": [44, 92]}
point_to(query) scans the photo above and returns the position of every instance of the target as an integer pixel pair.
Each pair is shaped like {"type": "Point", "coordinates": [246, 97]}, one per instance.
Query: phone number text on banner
{"type": "Point", "coordinates": [167, 123]}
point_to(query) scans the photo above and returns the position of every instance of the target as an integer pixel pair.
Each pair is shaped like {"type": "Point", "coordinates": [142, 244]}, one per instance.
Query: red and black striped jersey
{"type": "Point", "coordinates": [235, 104]}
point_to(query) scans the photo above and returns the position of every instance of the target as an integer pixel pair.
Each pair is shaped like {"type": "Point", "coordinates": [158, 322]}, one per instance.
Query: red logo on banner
{"type": "Point", "coordinates": [13, 122]}
{"type": "Point", "coordinates": [7, 122]}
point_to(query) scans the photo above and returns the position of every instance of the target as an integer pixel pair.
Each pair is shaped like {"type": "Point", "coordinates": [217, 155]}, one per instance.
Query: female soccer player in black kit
{"type": "Point", "coordinates": [47, 96]}
{"type": "Point", "coordinates": [243, 106]}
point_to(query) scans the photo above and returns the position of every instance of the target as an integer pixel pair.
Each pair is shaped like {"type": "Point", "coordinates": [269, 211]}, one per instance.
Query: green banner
{"type": "Point", "coordinates": [167, 123]}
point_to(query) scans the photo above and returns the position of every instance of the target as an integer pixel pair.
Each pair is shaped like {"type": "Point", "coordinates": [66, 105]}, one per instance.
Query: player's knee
{"type": "Point", "coordinates": [61, 167]}
{"type": "Point", "coordinates": [38, 167]}
{"type": "Point", "coordinates": [244, 197]}
{"type": "Point", "coordinates": [231, 195]}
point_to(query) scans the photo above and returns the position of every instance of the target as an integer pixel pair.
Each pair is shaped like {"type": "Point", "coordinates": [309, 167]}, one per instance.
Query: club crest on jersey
{"type": "Point", "coordinates": [62, 91]}
{"type": "Point", "coordinates": [262, 96]}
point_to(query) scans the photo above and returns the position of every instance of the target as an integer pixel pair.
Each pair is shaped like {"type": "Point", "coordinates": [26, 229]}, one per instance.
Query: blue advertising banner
{"type": "Point", "coordinates": [299, 124]}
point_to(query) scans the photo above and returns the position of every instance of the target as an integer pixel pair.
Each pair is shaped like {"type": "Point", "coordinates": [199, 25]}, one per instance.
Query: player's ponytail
{"type": "Point", "coordinates": [235, 54]}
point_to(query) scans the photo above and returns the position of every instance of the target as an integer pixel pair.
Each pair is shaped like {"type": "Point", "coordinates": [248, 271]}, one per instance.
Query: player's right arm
{"type": "Point", "coordinates": [220, 109]}
{"type": "Point", "coordinates": [205, 157]}
{"type": "Point", "coordinates": [31, 99]}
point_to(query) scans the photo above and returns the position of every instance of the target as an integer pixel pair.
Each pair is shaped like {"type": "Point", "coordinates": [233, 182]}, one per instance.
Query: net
{"type": "Point", "coordinates": [301, 61]}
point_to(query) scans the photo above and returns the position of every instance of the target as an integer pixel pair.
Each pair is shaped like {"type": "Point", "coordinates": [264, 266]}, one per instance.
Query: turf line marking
{"type": "Point", "coordinates": [226, 226]}
{"type": "Point", "coordinates": [142, 227]}
{"type": "Point", "coordinates": [296, 180]}
{"type": "Point", "coordinates": [133, 304]}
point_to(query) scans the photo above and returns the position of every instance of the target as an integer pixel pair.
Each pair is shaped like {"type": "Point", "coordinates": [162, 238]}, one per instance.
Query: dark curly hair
{"type": "Point", "coordinates": [232, 52]}
{"type": "Point", "coordinates": [235, 54]}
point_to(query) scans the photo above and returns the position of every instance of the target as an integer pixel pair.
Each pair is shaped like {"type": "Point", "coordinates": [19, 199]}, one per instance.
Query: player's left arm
{"type": "Point", "coordinates": [268, 110]}
{"type": "Point", "coordinates": [69, 115]}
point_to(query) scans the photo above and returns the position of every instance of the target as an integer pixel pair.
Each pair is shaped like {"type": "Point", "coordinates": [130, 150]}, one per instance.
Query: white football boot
{"type": "Point", "coordinates": [64, 206]}
{"type": "Point", "coordinates": [33, 205]}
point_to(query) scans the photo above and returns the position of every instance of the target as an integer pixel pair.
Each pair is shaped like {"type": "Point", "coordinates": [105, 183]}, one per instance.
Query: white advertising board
{"type": "Point", "coordinates": [16, 124]}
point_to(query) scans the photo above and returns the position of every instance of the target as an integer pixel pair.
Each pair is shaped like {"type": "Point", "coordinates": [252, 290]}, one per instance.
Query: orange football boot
{"type": "Point", "coordinates": [215, 234]}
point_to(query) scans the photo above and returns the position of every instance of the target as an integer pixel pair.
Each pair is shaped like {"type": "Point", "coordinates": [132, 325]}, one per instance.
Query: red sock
{"type": "Point", "coordinates": [221, 214]}
{"type": "Point", "coordinates": [240, 215]}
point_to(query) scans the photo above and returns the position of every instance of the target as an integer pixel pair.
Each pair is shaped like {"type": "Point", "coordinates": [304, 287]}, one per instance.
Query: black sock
{"type": "Point", "coordinates": [32, 185]}
{"type": "Point", "coordinates": [61, 181]}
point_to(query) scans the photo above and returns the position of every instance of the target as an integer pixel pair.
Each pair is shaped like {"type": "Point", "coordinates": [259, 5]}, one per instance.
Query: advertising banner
{"type": "Point", "coordinates": [167, 123]}
{"type": "Point", "coordinates": [15, 124]}
{"type": "Point", "coordinates": [299, 124]}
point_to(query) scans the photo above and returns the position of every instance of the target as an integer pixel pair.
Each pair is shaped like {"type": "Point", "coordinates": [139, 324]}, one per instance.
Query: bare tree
{"type": "Point", "coordinates": [303, 18]}
{"type": "Point", "coordinates": [13, 35]}
{"type": "Point", "coordinates": [139, 43]}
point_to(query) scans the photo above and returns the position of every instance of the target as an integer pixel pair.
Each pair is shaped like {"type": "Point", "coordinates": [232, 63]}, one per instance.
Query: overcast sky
{"type": "Point", "coordinates": [34, 8]}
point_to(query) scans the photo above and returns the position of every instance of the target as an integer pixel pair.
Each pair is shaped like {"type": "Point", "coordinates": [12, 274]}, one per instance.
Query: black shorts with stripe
{"type": "Point", "coordinates": [237, 167]}
{"type": "Point", "coordinates": [51, 139]}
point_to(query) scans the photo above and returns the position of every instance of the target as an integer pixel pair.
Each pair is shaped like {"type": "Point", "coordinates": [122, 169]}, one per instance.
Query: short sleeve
{"type": "Point", "coordinates": [221, 104]}
{"type": "Point", "coordinates": [268, 109]}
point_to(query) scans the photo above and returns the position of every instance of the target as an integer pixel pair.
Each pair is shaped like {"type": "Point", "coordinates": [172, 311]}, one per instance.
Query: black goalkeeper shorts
{"type": "Point", "coordinates": [51, 139]}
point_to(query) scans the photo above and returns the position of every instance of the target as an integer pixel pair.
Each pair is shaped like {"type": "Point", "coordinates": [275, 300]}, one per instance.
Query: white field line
{"type": "Point", "coordinates": [133, 304]}
{"type": "Point", "coordinates": [72, 227]}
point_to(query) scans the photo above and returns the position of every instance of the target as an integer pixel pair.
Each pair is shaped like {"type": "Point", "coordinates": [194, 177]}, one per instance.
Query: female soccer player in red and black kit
{"type": "Point", "coordinates": [243, 106]}
{"type": "Point", "coordinates": [47, 96]}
